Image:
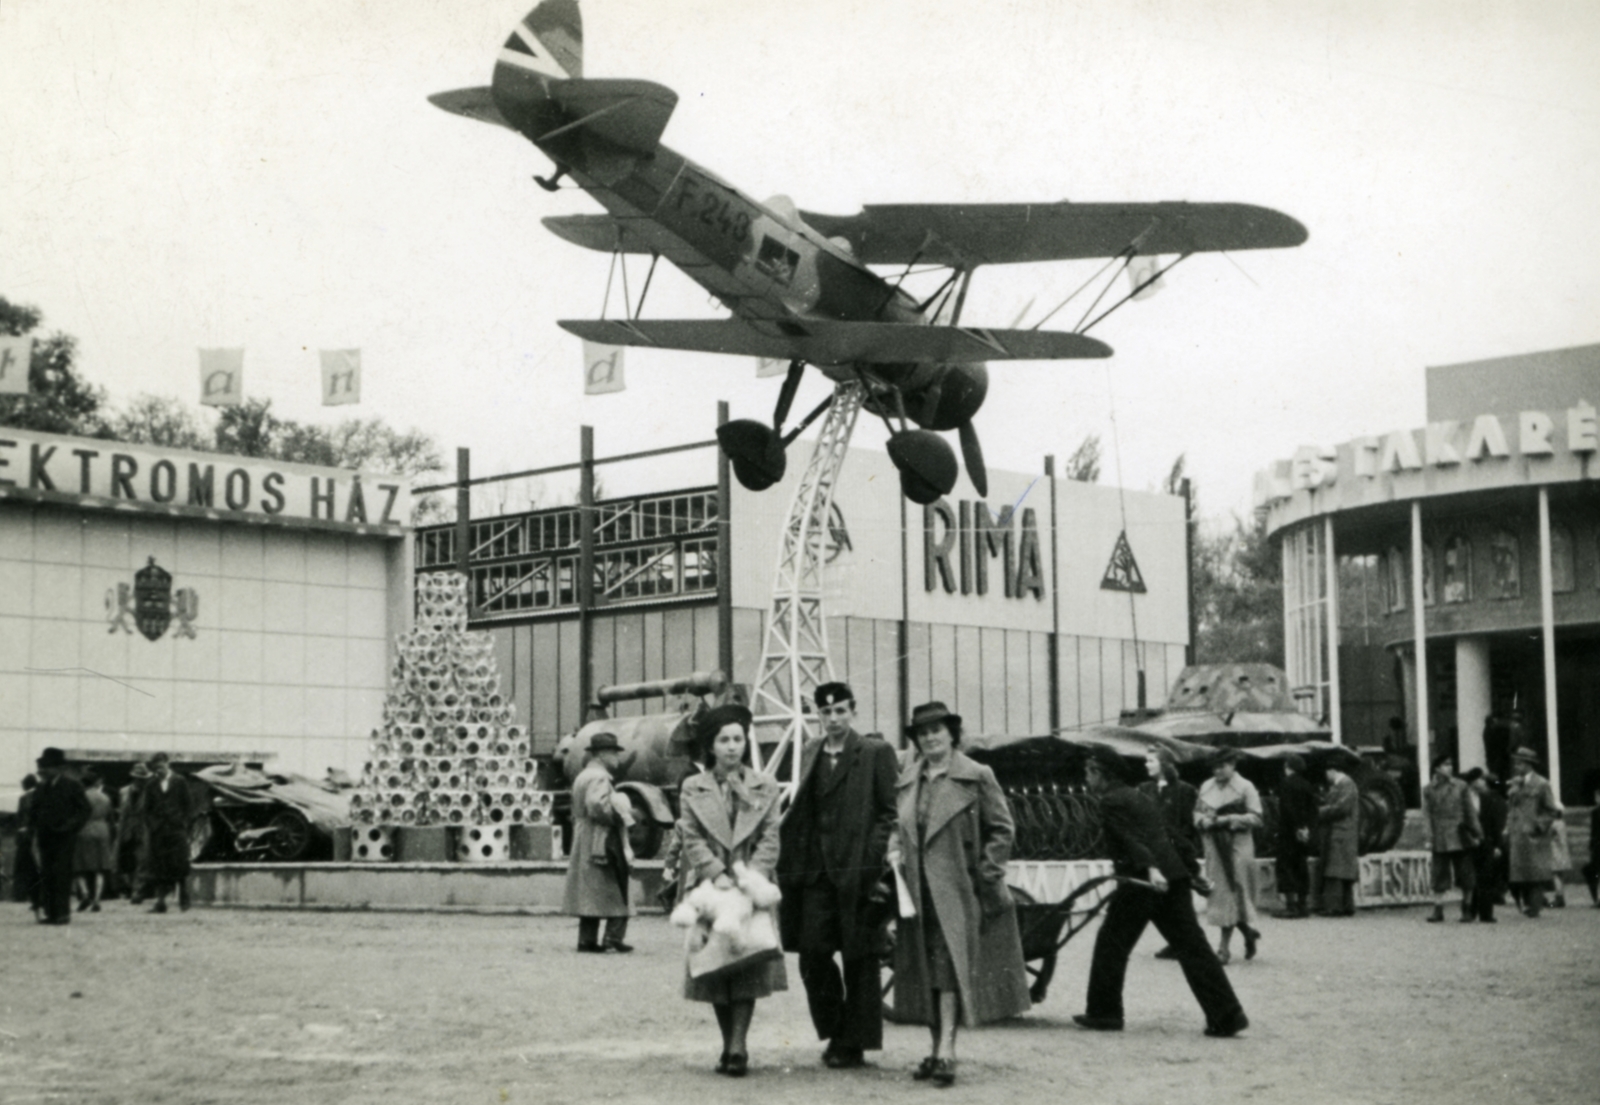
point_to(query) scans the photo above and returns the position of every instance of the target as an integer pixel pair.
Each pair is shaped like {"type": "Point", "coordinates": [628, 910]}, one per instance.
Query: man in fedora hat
{"type": "Point", "coordinates": [1531, 810]}
{"type": "Point", "coordinates": [597, 874]}
{"type": "Point", "coordinates": [58, 810]}
{"type": "Point", "coordinates": [833, 847]}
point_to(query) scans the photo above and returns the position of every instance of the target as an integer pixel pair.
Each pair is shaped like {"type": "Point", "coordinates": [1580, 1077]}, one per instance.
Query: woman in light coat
{"type": "Point", "coordinates": [1227, 813]}
{"type": "Point", "coordinates": [727, 815]}
{"type": "Point", "coordinates": [959, 959]}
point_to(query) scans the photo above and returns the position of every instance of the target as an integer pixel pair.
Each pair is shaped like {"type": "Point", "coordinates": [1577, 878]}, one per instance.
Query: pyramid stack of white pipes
{"type": "Point", "coordinates": [448, 753]}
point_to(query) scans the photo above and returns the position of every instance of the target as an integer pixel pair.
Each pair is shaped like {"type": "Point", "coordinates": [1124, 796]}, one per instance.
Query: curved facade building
{"type": "Point", "coordinates": [1449, 574]}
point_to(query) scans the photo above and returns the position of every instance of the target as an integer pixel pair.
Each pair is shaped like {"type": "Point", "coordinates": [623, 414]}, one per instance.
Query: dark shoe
{"type": "Point", "coordinates": [944, 1072]}
{"type": "Point", "coordinates": [722, 1063]}
{"type": "Point", "coordinates": [1166, 953]}
{"type": "Point", "coordinates": [1560, 902]}
{"type": "Point", "coordinates": [1230, 1027]}
{"type": "Point", "coordinates": [839, 1057]}
{"type": "Point", "coordinates": [1097, 1024]}
{"type": "Point", "coordinates": [1250, 938]}
{"type": "Point", "coordinates": [924, 1069]}
{"type": "Point", "coordinates": [1437, 915]}
{"type": "Point", "coordinates": [1489, 920]}
{"type": "Point", "coordinates": [595, 948]}
{"type": "Point", "coordinates": [738, 1064]}
{"type": "Point", "coordinates": [619, 946]}
{"type": "Point", "coordinates": [159, 907]}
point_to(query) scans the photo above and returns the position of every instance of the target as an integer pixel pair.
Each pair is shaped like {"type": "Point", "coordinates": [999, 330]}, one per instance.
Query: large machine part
{"type": "Point", "coordinates": [657, 749]}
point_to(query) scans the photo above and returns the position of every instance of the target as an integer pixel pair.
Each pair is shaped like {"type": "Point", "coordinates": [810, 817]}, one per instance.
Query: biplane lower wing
{"type": "Point", "coordinates": [969, 234]}
{"type": "Point", "coordinates": [828, 342]}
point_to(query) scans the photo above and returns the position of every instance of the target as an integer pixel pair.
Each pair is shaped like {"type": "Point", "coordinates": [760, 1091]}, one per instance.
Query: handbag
{"type": "Point", "coordinates": [713, 954]}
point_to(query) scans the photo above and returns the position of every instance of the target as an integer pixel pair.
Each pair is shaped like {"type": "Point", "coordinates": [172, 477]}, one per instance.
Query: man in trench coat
{"type": "Point", "coordinates": [1339, 821]}
{"type": "Point", "coordinates": [597, 874]}
{"type": "Point", "coordinates": [1531, 810]}
{"type": "Point", "coordinates": [834, 841]}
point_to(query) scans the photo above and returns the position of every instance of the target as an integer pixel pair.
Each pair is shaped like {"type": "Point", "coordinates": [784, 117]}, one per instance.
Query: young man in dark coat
{"type": "Point", "coordinates": [834, 841]}
{"type": "Point", "coordinates": [1136, 840]}
{"type": "Point", "coordinates": [167, 808]}
{"type": "Point", "coordinates": [59, 809]}
{"type": "Point", "coordinates": [1297, 819]}
{"type": "Point", "coordinates": [1488, 857]}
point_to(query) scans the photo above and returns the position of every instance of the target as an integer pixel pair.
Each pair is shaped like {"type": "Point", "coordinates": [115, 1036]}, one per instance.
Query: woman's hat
{"type": "Point", "coordinates": [713, 720]}
{"type": "Point", "coordinates": [932, 713]}
{"type": "Point", "coordinates": [140, 772]}
{"type": "Point", "coordinates": [52, 757]}
{"type": "Point", "coordinates": [604, 742]}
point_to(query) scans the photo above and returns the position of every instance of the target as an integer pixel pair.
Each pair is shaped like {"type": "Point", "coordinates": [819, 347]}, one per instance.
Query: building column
{"type": "Point", "coordinates": [1331, 560]}
{"type": "Point", "coordinates": [1419, 629]}
{"type": "Point", "coordinates": [1547, 624]}
{"type": "Point", "coordinates": [1472, 699]}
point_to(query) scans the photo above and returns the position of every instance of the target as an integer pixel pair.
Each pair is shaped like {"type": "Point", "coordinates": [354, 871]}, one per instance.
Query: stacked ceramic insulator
{"type": "Point", "coordinates": [448, 753]}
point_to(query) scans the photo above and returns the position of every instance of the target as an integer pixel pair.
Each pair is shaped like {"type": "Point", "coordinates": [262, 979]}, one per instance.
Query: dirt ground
{"type": "Point", "coordinates": [243, 1006]}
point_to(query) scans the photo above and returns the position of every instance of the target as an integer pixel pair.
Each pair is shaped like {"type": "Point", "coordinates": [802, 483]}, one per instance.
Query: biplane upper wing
{"type": "Point", "coordinates": [994, 234]}
{"type": "Point", "coordinates": [830, 342]}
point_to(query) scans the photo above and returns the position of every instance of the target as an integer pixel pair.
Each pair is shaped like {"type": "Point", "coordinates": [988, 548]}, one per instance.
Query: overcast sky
{"type": "Point", "coordinates": [177, 174]}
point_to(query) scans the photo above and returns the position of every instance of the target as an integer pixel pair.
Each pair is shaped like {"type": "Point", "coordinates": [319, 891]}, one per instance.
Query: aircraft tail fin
{"type": "Point", "coordinates": [546, 46]}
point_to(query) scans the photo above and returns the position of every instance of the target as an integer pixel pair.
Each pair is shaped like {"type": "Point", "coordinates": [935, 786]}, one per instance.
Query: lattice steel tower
{"type": "Point", "coordinates": [794, 658]}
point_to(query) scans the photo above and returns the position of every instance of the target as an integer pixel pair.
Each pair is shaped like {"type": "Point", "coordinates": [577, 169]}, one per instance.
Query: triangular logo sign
{"type": "Point", "coordinates": [1122, 574]}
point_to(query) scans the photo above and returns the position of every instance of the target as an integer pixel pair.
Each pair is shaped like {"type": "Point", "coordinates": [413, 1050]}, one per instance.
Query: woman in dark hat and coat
{"type": "Point", "coordinates": [728, 814]}
{"type": "Point", "coordinates": [959, 959]}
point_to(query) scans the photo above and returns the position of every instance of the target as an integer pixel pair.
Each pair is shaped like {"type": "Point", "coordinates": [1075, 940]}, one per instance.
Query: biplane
{"type": "Point", "coordinates": [801, 286]}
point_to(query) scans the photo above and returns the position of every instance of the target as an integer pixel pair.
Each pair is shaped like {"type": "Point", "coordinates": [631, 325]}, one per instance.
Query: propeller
{"type": "Point", "coordinates": [972, 457]}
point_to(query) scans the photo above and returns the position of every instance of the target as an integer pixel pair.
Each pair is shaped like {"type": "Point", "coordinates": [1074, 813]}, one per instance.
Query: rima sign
{"type": "Point", "coordinates": [967, 545]}
{"type": "Point", "coordinates": [93, 472]}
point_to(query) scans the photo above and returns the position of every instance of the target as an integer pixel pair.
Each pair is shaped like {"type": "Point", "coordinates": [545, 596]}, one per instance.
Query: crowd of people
{"type": "Point", "coordinates": [75, 843]}
{"type": "Point", "coordinates": [915, 844]}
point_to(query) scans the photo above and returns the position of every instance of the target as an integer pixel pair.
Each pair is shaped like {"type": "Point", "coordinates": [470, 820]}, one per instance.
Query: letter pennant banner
{"type": "Point", "coordinates": [15, 356]}
{"type": "Point", "coordinates": [221, 377]}
{"type": "Point", "coordinates": [341, 376]}
{"type": "Point", "coordinates": [771, 366]}
{"type": "Point", "coordinates": [602, 368]}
